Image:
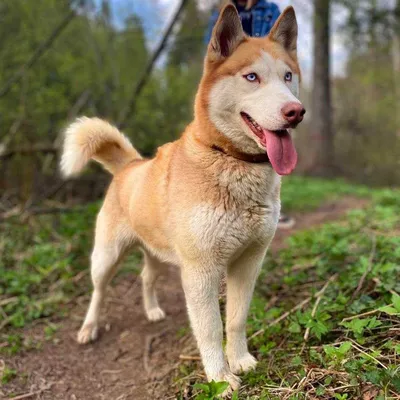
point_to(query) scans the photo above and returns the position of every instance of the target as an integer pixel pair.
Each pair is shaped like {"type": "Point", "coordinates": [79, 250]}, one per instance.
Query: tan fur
{"type": "Point", "coordinates": [201, 209]}
{"type": "Point", "coordinates": [94, 138]}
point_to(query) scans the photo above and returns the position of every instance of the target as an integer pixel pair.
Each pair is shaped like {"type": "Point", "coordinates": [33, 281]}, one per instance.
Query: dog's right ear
{"type": "Point", "coordinates": [227, 34]}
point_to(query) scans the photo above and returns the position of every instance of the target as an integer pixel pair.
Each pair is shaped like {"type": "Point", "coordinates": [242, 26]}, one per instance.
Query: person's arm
{"type": "Point", "coordinates": [213, 19]}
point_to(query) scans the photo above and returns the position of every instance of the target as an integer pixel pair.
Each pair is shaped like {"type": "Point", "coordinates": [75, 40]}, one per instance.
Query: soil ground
{"type": "Point", "coordinates": [133, 358]}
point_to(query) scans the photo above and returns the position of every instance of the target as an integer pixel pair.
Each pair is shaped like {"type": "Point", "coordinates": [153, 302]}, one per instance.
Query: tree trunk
{"type": "Point", "coordinates": [321, 113]}
{"type": "Point", "coordinates": [396, 61]}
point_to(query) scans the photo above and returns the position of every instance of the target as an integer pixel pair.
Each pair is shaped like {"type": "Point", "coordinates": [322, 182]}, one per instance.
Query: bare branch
{"type": "Point", "coordinates": [28, 151]}
{"type": "Point", "coordinates": [130, 107]}
{"type": "Point", "coordinates": [43, 47]}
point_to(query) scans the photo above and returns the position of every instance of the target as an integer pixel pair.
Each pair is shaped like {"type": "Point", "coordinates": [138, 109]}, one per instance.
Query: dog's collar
{"type": "Point", "coordinates": [250, 158]}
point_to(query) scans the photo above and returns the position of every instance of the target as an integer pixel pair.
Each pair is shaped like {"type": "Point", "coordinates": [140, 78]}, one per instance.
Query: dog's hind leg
{"type": "Point", "coordinates": [242, 275]}
{"type": "Point", "coordinates": [111, 243]}
{"type": "Point", "coordinates": [151, 271]}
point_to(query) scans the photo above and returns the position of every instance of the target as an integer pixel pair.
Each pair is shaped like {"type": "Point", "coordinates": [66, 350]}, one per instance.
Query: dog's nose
{"type": "Point", "coordinates": [293, 113]}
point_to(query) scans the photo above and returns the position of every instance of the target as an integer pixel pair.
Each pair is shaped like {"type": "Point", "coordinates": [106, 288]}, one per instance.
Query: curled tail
{"type": "Point", "coordinates": [93, 138]}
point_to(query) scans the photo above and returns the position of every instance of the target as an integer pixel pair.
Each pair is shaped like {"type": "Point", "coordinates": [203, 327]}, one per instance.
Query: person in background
{"type": "Point", "coordinates": [258, 17]}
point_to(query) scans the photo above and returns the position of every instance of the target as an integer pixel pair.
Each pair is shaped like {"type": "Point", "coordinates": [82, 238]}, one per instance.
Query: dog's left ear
{"type": "Point", "coordinates": [285, 31]}
{"type": "Point", "coordinates": [227, 34]}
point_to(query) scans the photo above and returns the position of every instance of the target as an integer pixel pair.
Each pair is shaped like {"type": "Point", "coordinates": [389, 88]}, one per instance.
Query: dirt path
{"type": "Point", "coordinates": [133, 356]}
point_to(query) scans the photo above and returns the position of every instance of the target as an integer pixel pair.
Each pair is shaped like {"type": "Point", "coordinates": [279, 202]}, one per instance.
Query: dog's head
{"type": "Point", "coordinates": [250, 87]}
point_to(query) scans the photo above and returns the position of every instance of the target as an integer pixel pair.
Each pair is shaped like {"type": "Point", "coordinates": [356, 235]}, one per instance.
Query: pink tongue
{"type": "Point", "coordinates": [281, 151]}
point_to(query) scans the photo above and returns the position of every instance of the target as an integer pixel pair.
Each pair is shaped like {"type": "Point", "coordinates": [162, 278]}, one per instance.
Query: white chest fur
{"type": "Point", "coordinates": [247, 210]}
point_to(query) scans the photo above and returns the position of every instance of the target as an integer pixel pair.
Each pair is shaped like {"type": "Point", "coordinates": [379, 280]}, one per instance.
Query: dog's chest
{"type": "Point", "coordinates": [245, 208]}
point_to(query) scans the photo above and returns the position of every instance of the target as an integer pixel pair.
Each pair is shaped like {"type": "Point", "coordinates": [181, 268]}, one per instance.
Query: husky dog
{"type": "Point", "coordinates": [208, 202]}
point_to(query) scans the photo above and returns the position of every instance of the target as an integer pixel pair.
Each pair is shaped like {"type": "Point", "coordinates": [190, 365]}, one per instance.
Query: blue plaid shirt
{"type": "Point", "coordinates": [264, 15]}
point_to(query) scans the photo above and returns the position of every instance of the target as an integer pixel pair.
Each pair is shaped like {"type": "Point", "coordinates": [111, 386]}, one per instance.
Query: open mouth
{"type": "Point", "coordinates": [278, 145]}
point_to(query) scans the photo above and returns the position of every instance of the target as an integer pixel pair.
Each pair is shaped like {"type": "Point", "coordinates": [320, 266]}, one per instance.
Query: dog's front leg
{"type": "Point", "coordinates": [242, 275]}
{"type": "Point", "coordinates": [201, 286]}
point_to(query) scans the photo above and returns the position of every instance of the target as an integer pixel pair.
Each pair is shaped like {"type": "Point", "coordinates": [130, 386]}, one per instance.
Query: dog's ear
{"type": "Point", "coordinates": [227, 34]}
{"type": "Point", "coordinates": [285, 31]}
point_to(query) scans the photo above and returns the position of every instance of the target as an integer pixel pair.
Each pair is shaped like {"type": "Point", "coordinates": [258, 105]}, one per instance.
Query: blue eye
{"type": "Point", "coordinates": [251, 77]}
{"type": "Point", "coordinates": [288, 77]}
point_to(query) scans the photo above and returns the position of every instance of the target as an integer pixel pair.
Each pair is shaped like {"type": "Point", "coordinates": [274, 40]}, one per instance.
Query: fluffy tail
{"type": "Point", "coordinates": [93, 138]}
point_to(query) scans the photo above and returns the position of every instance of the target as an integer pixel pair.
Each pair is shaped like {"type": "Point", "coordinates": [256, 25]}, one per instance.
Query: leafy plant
{"type": "Point", "coordinates": [393, 309]}
{"type": "Point", "coordinates": [337, 354]}
{"type": "Point", "coordinates": [211, 390]}
{"type": "Point", "coordinates": [358, 326]}
{"type": "Point", "coordinates": [8, 375]}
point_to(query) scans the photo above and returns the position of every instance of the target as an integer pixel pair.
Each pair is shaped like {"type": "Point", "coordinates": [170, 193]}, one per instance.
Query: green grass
{"type": "Point", "coordinates": [338, 285]}
{"type": "Point", "coordinates": [7, 375]}
{"type": "Point", "coordinates": [40, 258]}
{"type": "Point", "coordinates": [352, 342]}
{"type": "Point", "coordinates": [305, 194]}
{"type": "Point", "coordinates": [44, 265]}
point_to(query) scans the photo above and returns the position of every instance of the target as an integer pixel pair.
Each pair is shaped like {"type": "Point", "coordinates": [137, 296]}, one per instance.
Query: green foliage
{"type": "Point", "coordinates": [14, 342]}
{"type": "Point", "coordinates": [368, 23]}
{"type": "Point", "coordinates": [349, 333]}
{"type": "Point", "coordinates": [8, 375]}
{"type": "Point", "coordinates": [105, 62]}
{"type": "Point", "coordinates": [50, 330]}
{"type": "Point", "coordinates": [337, 354]}
{"type": "Point", "coordinates": [365, 125]}
{"type": "Point", "coordinates": [211, 390]}
{"type": "Point", "coordinates": [370, 128]}
{"type": "Point", "coordinates": [393, 309]}
{"type": "Point", "coordinates": [91, 69]}
{"type": "Point", "coordinates": [38, 264]}
{"type": "Point", "coordinates": [339, 396]}
{"type": "Point", "coordinates": [40, 260]}
{"type": "Point", "coordinates": [358, 326]}
{"type": "Point", "coordinates": [304, 194]}
{"type": "Point", "coordinates": [189, 48]}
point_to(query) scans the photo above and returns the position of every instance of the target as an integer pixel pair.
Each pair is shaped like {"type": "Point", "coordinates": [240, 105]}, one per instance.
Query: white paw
{"type": "Point", "coordinates": [242, 364]}
{"type": "Point", "coordinates": [155, 314]}
{"type": "Point", "coordinates": [227, 376]}
{"type": "Point", "coordinates": [88, 333]}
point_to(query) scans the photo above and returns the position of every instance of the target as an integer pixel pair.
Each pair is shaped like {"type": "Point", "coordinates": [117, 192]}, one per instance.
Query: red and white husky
{"type": "Point", "coordinates": [210, 201]}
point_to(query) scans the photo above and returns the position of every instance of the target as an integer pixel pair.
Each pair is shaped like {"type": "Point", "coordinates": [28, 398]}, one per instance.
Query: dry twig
{"type": "Point", "coordinates": [356, 346]}
{"type": "Point", "coordinates": [297, 307]}
{"type": "Point", "coordinates": [189, 358]}
{"type": "Point", "coordinates": [282, 317]}
{"type": "Point", "coordinates": [31, 394]}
